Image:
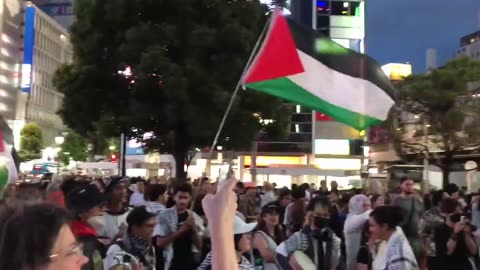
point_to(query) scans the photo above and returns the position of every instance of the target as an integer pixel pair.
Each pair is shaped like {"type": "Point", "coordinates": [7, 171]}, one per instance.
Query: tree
{"type": "Point", "coordinates": [74, 147]}
{"type": "Point", "coordinates": [166, 67]}
{"type": "Point", "coordinates": [438, 114]}
{"type": "Point", "coordinates": [31, 141]}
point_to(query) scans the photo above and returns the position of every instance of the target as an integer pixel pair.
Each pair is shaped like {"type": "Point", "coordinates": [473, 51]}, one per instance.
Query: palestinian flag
{"type": "Point", "coordinates": [298, 64]}
{"type": "Point", "coordinates": [9, 161]}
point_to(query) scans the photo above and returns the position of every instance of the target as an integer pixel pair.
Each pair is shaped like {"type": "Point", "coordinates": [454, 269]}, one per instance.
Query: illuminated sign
{"type": "Point", "coordinates": [263, 161]}
{"type": "Point", "coordinates": [397, 72]}
{"type": "Point", "coordinates": [28, 44]}
{"type": "Point", "coordinates": [135, 148]}
{"type": "Point", "coordinates": [332, 147]}
{"type": "Point", "coordinates": [338, 164]}
{"type": "Point", "coordinates": [26, 76]}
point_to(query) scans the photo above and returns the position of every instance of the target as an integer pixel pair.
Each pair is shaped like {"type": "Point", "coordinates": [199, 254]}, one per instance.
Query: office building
{"type": "Point", "coordinates": [470, 46]}
{"type": "Point", "coordinates": [60, 10]}
{"type": "Point", "coordinates": [342, 21]}
{"type": "Point", "coordinates": [46, 48]}
{"type": "Point", "coordinates": [10, 58]}
{"type": "Point", "coordinates": [336, 148]}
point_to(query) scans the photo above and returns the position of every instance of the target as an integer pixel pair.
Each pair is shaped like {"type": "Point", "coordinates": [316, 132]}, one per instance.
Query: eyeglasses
{"type": "Point", "coordinates": [76, 250]}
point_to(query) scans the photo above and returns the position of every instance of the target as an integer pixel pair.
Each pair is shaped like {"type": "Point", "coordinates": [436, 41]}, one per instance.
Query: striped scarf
{"type": "Point", "coordinates": [399, 254]}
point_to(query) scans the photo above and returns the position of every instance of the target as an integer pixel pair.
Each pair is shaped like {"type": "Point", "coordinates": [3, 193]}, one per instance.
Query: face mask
{"type": "Point", "coordinates": [320, 222]}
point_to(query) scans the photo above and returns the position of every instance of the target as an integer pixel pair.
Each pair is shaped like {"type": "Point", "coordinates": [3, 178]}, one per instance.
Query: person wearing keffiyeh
{"type": "Point", "coordinates": [135, 247]}
{"type": "Point", "coordinates": [316, 244]}
{"type": "Point", "coordinates": [384, 225]}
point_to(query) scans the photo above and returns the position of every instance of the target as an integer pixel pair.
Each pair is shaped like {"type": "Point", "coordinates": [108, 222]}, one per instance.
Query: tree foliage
{"type": "Point", "coordinates": [31, 141]}
{"type": "Point", "coordinates": [438, 114]}
{"type": "Point", "coordinates": [167, 67]}
{"type": "Point", "coordinates": [74, 147]}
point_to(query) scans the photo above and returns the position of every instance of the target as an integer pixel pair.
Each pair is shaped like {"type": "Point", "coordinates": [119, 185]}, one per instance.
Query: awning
{"type": "Point", "coordinates": [298, 171]}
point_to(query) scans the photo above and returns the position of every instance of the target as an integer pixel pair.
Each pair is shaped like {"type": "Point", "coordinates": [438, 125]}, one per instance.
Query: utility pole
{"type": "Point", "coordinates": [425, 159]}
{"type": "Point", "coordinates": [253, 161]}
{"type": "Point", "coordinates": [122, 170]}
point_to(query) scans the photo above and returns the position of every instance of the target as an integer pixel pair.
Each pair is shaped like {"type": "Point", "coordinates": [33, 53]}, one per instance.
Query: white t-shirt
{"type": "Point", "coordinates": [137, 199]}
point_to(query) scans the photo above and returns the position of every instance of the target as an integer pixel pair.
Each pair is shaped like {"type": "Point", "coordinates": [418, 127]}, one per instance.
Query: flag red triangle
{"type": "Point", "coordinates": [278, 56]}
{"type": "Point", "coordinates": [2, 144]}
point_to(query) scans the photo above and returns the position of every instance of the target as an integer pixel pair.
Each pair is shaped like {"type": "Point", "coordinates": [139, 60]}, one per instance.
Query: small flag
{"type": "Point", "coordinates": [2, 143]}
{"type": "Point", "coordinates": [300, 65]}
{"type": "Point", "coordinates": [8, 165]}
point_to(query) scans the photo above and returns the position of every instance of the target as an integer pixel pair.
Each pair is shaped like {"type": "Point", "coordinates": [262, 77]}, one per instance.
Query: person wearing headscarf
{"type": "Point", "coordinates": [359, 211]}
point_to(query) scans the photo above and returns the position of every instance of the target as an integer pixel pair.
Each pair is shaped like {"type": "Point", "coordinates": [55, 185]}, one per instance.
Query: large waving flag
{"type": "Point", "coordinates": [8, 162]}
{"type": "Point", "coordinates": [302, 66]}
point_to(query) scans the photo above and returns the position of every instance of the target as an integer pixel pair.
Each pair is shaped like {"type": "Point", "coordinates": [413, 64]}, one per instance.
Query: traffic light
{"type": "Point", "coordinates": [114, 158]}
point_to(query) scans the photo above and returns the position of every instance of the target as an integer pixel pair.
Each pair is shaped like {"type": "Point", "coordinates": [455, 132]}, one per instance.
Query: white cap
{"type": "Point", "coordinates": [240, 227]}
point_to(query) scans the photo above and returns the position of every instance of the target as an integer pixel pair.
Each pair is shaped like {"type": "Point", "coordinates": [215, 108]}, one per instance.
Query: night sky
{"type": "Point", "coordinates": [402, 30]}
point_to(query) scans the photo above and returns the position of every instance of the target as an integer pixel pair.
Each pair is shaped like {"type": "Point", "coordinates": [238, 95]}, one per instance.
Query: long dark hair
{"type": "Point", "coordinates": [392, 216]}
{"type": "Point", "coordinates": [278, 233]}
{"type": "Point", "coordinates": [27, 247]}
{"type": "Point", "coordinates": [297, 210]}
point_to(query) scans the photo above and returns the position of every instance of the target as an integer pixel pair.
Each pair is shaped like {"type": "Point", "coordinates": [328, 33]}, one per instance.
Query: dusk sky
{"type": "Point", "coordinates": [402, 30]}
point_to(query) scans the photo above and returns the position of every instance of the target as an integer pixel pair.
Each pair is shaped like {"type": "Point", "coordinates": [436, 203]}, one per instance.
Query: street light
{"type": "Point", "coordinates": [111, 147]}
{"type": "Point", "coordinates": [59, 140]}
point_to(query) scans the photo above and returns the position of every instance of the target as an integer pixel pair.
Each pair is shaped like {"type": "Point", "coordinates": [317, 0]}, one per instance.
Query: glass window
{"type": "Point", "coordinates": [323, 7]}
{"type": "Point", "coordinates": [302, 118]}
{"type": "Point", "coordinates": [340, 8]}
{"type": "Point", "coordinates": [346, 8]}
{"type": "Point", "coordinates": [355, 9]}
{"type": "Point", "coordinates": [323, 22]}
{"type": "Point", "coordinates": [301, 128]}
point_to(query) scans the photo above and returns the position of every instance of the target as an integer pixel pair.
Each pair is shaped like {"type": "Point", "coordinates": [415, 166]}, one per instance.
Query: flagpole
{"type": "Point", "coordinates": [239, 84]}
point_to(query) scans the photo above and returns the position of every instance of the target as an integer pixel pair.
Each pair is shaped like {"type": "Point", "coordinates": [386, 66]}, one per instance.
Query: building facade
{"type": "Point", "coordinates": [11, 18]}
{"type": "Point", "coordinates": [470, 46]}
{"type": "Point", "coordinates": [46, 48]}
{"type": "Point", "coordinates": [60, 10]}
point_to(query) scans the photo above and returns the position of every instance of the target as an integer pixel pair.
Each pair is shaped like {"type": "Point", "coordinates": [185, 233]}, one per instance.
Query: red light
{"type": "Point", "coordinates": [113, 158]}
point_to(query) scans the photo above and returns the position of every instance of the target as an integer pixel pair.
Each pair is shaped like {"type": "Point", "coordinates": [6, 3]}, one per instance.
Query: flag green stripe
{"type": "Point", "coordinates": [287, 89]}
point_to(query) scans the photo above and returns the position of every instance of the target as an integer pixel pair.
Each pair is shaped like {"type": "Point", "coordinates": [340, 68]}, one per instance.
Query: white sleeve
{"type": "Point", "coordinates": [110, 260]}
{"type": "Point", "coordinates": [161, 229]}
{"type": "Point", "coordinates": [336, 251]}
{"type": "Point", "coordinates": [282, 250]}
{"type": "Point", "coordinates": [157, 231]}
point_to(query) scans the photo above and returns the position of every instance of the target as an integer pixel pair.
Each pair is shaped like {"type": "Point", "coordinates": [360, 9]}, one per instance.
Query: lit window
{"type": "Point", "coordinates": [4, 52]}
{"type": "Point", "coordinates": [323, 7]}
{"type": "Point", "coordinates": [346, 8]}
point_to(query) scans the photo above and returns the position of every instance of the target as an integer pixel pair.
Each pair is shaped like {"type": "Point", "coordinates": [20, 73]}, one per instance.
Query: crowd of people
{"type": "Point", "coordinates": [79, 222]}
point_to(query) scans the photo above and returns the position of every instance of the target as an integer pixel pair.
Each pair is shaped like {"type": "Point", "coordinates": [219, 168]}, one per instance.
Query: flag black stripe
{"type": "Point", "coordinates": [6, 131]}
{"type": "Point", "coordinates": [350, 63]}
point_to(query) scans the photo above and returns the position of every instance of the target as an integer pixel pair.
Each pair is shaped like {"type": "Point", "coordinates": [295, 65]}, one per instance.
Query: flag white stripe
{"type": "Point", "coordinates": [6, 157]}
{"type": "Point", "coordinates": [354, 94]}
